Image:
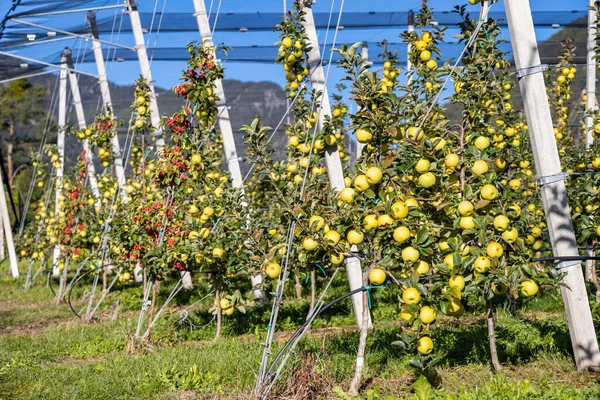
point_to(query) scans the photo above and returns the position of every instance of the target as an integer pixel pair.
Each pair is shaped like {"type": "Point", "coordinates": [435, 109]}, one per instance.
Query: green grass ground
{"type": "Point", "coordinates": [47, 353]}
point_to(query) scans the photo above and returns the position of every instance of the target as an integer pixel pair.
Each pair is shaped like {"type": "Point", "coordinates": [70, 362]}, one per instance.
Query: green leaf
{"type": "Point", "coordinates": [423, 389]}
{"type": "Point", "coordinates": [400, 344]}
{"type": "Point", "coordinates": [422, 236]}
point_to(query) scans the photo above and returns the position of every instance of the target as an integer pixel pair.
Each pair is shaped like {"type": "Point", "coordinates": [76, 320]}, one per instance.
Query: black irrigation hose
{"type": "Point", "coordinates": [75, 283]}
{"type": "Point", "coordinates": [73, 286]}
{"type": "Point", "coordinates": [307, 323]}
{"type": "Point", "coordinates": [314, 315]}
{"type": "Point", "coordinates": [49, 281]}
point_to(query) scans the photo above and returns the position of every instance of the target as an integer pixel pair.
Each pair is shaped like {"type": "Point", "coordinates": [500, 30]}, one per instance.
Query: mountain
{"type": "Point", "coordinates": [246, 100]}
{"type": "Point", "coordinates": [250, 99]}
{"type": "Point", "coordinates": [550, 51]}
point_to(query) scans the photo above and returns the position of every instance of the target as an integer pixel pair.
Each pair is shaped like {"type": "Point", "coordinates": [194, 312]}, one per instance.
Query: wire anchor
{"type": "Point", "coordinates": [545, 180]}
{"type": "Point", "coordinates": [523, 72]}
{"type": "Point", "coordinates": [567, 264]}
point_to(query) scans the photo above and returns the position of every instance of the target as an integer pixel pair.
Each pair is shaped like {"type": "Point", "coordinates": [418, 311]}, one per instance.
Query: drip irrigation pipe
{"type": "Point", "coordinates": [75, 283]}
{"type": "Point", "coordinates": [305, 325]}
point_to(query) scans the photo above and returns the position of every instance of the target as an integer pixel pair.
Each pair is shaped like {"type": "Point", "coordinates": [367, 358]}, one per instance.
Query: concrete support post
{"type": "Point", "coordinates": [12, 254]}
{"type": "Point", "coordinates": [106, 100]}
{"type": "Point", "coordinates": [60, 142]}
{"type": "Point", "coordinates": [411, 28]}
{"type": "Point", "coordinates": [231, 156]}
{"type": "Point", "coordinates": [591, 72]}
{"type": "Point", "coordinates": [140, 47]}
{"type": "Point", "coordinates": [89, 159]}
{"type": "Point", "coordinates": [332, 156]}
{"type": "Point", "coordinates": [554, 195]}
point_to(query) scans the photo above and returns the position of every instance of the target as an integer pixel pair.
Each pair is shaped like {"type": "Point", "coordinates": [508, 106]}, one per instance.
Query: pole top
{"type": "Point", "coordinates": [67, 57]}
{"type": "Point", "coordinates": [91, 17]}
{"type": "Point", "coordinates": [411, 17]}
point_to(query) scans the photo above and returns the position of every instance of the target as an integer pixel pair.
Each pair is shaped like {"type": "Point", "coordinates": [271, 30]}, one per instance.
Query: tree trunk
{"type": "Point", "coordinates": [9, 153]}
{"type": "Point", "coordinates": [151, 315]}
{"type": "Point", "coordinates": [104, 279]}
{"type": "Point", "coordinates": [313, 292]}
{"type": "Point", "coordinates": [360, 355]}
{"type": "Point", "coordinates": [298, 287]}
{"type": "Point", "coordinates": [590, 269]}
{"type": "Point", "coordinates": [590, 265]}
{"type": "Point", "coordinates": [492, 337]}
{"type": "Point", "coordinates": [219, 316]}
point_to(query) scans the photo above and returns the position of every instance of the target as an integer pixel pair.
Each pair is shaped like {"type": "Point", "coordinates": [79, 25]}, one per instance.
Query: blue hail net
{"type": "Point", "coordinates": [34, 29]}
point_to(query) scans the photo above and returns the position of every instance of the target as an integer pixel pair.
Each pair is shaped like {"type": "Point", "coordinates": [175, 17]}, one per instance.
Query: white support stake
{"type": "Point", "coordinates": [360, 146]}
{"type": "Point", "coordinates": [231, 156]}
{"type": "Point", "coordinates": [12, 254]}
{"type": "Point", "coordinates": [89, 159]}
{"type": "Point", "coordinates": [60, 142]}
{"type": "Point", "coordinates": [411, 28]}
{"type": "Point", "coordinates": [140, 47]}
{"type": "Point", "coordinates": [554, 195]}
{"type": "Point", "coordinates": [332, 156]}
{"type": "Point", "coordinates": [2, 246]}
{"type": "Point", "coordinates": [591, 72]}
{"type": "Point", "coordinates": [107, 101]}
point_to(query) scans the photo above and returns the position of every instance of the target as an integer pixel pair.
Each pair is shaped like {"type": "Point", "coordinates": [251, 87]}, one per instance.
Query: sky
{"type": "Point", "coordinates": [166, 74]}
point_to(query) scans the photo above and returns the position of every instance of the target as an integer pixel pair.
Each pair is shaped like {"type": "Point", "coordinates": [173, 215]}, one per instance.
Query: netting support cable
{"type": "Point", "coordinates": [33, 60]}
{"type": "Point", "coordinates": [16, 78]}
{"type": "Point", "coordinates": [45, 14]}
{"type": "Point", "coordinates": [85, 37]}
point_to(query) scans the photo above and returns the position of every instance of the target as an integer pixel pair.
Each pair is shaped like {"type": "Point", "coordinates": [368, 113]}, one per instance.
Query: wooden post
{"type": "Point", "coordinates": [554, 195]}
{"type": "Point", "coordinates": [332, 156]}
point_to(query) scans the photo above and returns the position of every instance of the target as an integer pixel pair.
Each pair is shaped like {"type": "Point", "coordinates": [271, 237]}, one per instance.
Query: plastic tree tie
{"type": "Point", "coordinates": [482, 21]}
{"type": "Point", "coordinates": [322, 270]}
{"type": "Point", "coordinates": [368, 289]}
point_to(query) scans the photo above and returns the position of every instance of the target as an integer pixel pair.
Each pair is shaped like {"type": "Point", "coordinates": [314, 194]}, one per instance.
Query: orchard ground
{"type": "Point", "coordinates": [48, 353]}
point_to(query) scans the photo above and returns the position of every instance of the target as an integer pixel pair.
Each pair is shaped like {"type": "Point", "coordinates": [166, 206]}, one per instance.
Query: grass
{"type": "Point", "coordinates": [46, 353]}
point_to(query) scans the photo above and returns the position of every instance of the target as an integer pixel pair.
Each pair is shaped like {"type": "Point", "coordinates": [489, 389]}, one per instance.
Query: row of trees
{"type": "Point", "coordinates": [446, 210]}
